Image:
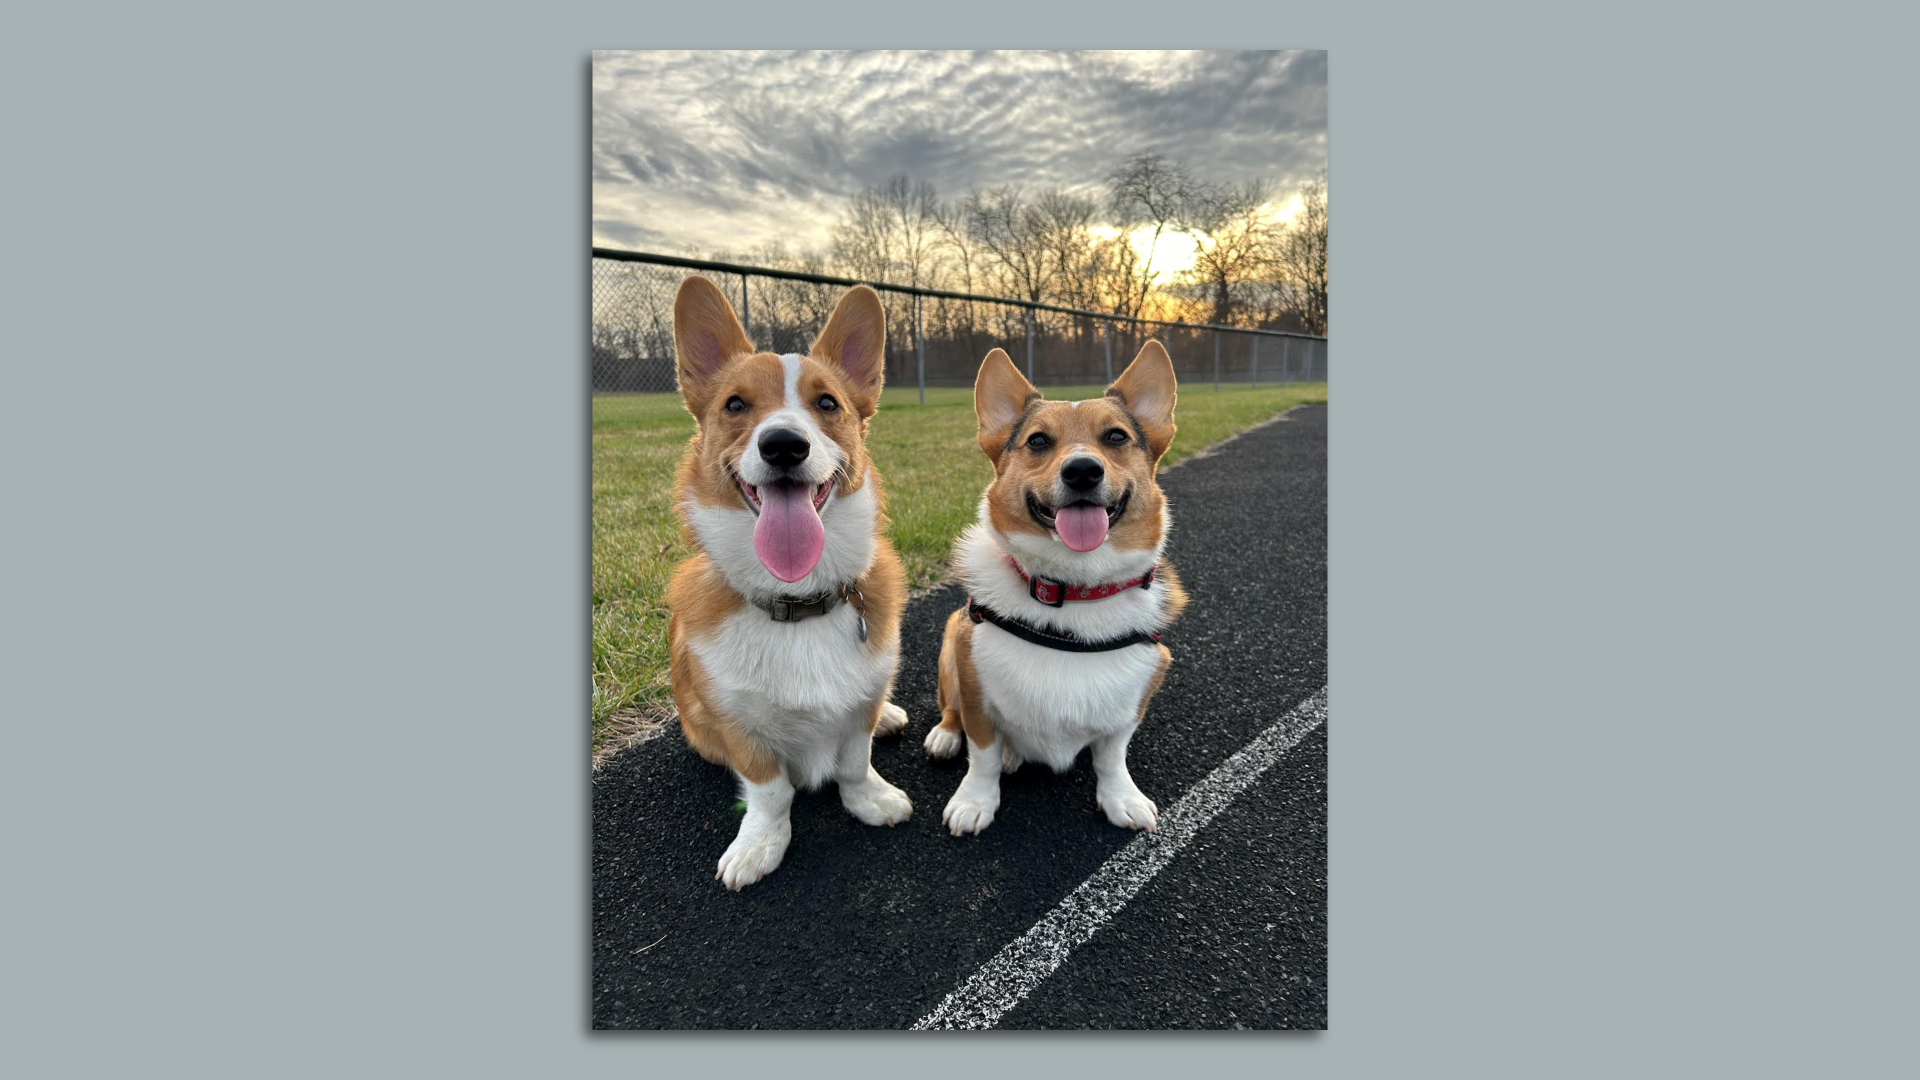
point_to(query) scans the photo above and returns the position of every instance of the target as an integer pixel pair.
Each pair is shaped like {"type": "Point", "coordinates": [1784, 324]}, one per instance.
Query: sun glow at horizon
{"type": "Point", "coordinates": [1176, 251]}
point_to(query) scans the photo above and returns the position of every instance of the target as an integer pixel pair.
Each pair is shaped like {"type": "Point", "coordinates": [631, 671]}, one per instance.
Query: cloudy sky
{"type": "Point", "coordinates": [722, 151]}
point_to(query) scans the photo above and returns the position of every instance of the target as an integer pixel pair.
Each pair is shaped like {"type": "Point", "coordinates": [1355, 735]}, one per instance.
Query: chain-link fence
{"type": "Point", "coordinates": [934, 338]}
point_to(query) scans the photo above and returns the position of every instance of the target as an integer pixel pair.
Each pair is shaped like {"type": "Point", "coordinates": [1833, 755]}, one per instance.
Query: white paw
{"type": "Point", "coordinates": [942, 743]}
{"type": "Point", "coordinates": [1010, 758]}
{"type": "Point", "coordinates": [754, 854]}
{"type": "Point", "coordinates": [1128, 808]}
{"type": "Point", "coordinates": [970, 810]}
{"type": "Point", "coordinates": [876, 802]}
{"type": "Point", "coordinates": [892, 719]}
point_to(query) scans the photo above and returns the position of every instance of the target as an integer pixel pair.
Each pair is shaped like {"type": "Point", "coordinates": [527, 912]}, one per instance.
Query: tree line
{"type": "Point", "coordinates": [1076, 248]}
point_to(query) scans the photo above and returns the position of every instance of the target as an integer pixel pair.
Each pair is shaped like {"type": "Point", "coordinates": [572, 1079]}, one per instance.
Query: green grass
{"type": "Point", "coordinates": [926, 455]}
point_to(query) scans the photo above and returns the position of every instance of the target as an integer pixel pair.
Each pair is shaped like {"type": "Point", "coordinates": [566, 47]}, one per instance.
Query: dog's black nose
{"type": "Point", "coordinates": [1082, 474]}
{"type": "Point", "coordinates": [783, 447]}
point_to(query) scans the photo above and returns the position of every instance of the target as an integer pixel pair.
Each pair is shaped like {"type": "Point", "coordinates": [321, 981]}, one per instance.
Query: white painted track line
{"type": "Point", "coordinates": [1002, 982]}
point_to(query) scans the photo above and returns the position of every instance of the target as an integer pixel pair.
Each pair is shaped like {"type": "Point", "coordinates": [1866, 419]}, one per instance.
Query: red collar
{"type": "Point", "coordinates": [1057, 593]}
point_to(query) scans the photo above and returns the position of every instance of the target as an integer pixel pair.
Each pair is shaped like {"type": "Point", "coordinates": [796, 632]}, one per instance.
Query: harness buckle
{"type": "Point", "coordinates": [1147, 582]}
{"type": "Point", "coordinates": [781, 610]}
{"type": "Point", "coordinates": [974, 613]}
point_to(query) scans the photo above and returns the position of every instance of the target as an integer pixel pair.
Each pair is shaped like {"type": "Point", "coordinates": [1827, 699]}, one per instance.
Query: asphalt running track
{"type": "Point", "coordinates": [1052, 918]}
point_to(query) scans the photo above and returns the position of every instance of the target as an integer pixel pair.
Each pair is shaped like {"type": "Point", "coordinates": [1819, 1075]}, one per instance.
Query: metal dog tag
{"type": "Point", "coordinates": [859, 605]}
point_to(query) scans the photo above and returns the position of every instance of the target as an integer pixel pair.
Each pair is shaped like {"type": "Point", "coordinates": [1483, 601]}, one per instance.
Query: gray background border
{"type": "Point", "coordinates": [295, 764]}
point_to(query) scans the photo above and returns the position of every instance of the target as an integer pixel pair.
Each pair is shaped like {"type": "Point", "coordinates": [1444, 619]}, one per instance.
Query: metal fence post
{"type": "Point", "coordinates": [1029, 312]}
{"type": "Point", "coordinates": [1286, 346]}
{"type": "Point", "coordinates": [1216, 361]}
{"type": "Point", "coordinates": [921, 336]}
{"type": "Point", "coordinates": [746, 313]}
{"type": "Point", "coordinates": [1254, 382]}
{"type": "Point", "coordinates": [1106, 339]}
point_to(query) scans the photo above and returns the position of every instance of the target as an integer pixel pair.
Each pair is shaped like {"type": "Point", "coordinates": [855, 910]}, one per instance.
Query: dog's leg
{"type": "Point", "coordinates": [893, 719]}
{"type": "Point", "coordinates": [943, 739]}
{"type": "Point", "coordinates": [764, 832]}
{"type": "Point", "coordinates": [1124, 803]}
{"type": "Point", "coordinates": [1010, 758]}
{"type": "Point", "coordinates": [972, 806]}
{"type": "Point", "coordinates": [862, 791]}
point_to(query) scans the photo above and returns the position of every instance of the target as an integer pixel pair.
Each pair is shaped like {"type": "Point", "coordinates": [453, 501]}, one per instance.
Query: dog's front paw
{"type": "Point", "coordinates": [876, 802]}
{"type": "Point", "coordinates": [971, 809]}
{"type": "Point", "coordinates": [942, 742]}
{"type": "Point", "coordinates": [1128, 808]}
{"type": "Point", "coordinates": [754, 854]}
{"type": "Point", "coordinates": [893, 719]}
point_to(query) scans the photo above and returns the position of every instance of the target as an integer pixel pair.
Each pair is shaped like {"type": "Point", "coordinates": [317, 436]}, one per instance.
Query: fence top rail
{"type": "Point", "coordinates": [617, 255]}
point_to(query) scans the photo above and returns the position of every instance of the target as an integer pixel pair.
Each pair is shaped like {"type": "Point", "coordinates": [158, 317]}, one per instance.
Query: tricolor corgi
{"type": "Point", "coordinates": [1058, 647]}
{"type": "Point", "coordinates": [784, 630]}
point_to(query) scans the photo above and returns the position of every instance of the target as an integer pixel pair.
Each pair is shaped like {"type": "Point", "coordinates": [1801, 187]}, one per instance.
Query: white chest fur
{"type": "Point", "coordinates": [798, 687]}
{"type": "Point", "coordinates": [1048, 703]}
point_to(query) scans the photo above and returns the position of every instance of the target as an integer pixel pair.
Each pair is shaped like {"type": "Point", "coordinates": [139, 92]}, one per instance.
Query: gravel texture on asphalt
{"type": "Point", "coordinates": [865, 927]}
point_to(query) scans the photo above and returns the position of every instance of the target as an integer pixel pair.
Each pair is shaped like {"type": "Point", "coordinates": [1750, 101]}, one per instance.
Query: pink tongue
{"type": "Point", "coordinates": [1081, 527]}
{"type": "Point", "coordinates": [787, 536]}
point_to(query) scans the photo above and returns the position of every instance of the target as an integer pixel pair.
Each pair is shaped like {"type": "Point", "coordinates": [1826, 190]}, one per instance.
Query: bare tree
{"type": "Point", "coordinates": [1010, 234]}
{"type": "Point", "coordinates": [1116, 270]}
{"type": "Point", "coordinates": [956, 321]}
{"type": "Point", "coordinates": [1234, 233]}
{"type": "Point", "coordinates": [863, 238]}
{"type": "Point", "coordinates": [1301, 262]}
{"type": "Point", "coordinates": [915, 206]}
{"type": "Point", "coordinates": [890, 232]}
{"type": "Point", "coordinates": [1063, 224]}
{"type": "Point", "coordinates": [1146, 192]}
{"type": "Point", "coordinates": [950, 227]}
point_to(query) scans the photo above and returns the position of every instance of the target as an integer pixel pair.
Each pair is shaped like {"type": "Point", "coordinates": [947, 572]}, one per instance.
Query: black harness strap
{"type": "Point", "coordinates": [1063, 642]}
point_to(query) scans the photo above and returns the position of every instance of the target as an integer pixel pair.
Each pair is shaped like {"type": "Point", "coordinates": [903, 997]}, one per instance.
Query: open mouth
{"type": "Point", "coordinates": [1082, 525]}
{"type": "Point", "coordinates": [788, 537]}
{"type": "Point", "coordinates": [752, 494]}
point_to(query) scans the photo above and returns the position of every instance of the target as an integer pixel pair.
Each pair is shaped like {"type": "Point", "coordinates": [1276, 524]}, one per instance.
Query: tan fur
{"type": "Point", "coordinates": [959, 690]}
{"type": "Point", "coordinates": [1169, 579]}
{"type": "Point", "coordinates": [1160, 676]}
{"type": "Point", "coordinates": [1009, 409]}
{"type": "Point", "coordinates": [721, 438]}
{"type": "Point", "coordinates": [884, 593]}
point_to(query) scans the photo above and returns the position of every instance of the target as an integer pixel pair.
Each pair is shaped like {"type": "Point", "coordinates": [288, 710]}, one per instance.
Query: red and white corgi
{"type": "Point", "coordinates": [785, 626]}
{"type": "Point", "coordinates": [1058, 648]}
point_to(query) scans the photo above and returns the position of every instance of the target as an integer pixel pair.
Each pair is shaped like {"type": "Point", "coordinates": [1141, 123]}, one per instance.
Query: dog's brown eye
{"type": "Point", "coordinates": [827, 404]}
{"type": "Point", "coordinates": [1116, 437]}
{"type": "Point", "coordinates": [1038, 441]}
{"type": "Point", "coordinates": [734, 404]}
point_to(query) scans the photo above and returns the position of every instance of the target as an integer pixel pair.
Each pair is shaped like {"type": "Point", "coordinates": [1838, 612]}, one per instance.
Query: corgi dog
{"type": "Point", "coordinates": [1058, 647]}
{"type": "Point", "coordinates": [784, 627]}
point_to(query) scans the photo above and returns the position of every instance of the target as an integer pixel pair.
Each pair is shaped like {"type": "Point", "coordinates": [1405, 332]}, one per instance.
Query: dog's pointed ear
{"type": "Point", "coordinates": [1000, 397]}
{"type": "Point", "coordinates": [1146, 390]}
{"type": "Point", "coordinates": [855, 341]}
{"type": "Point", "coordinates": [706, 336]}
